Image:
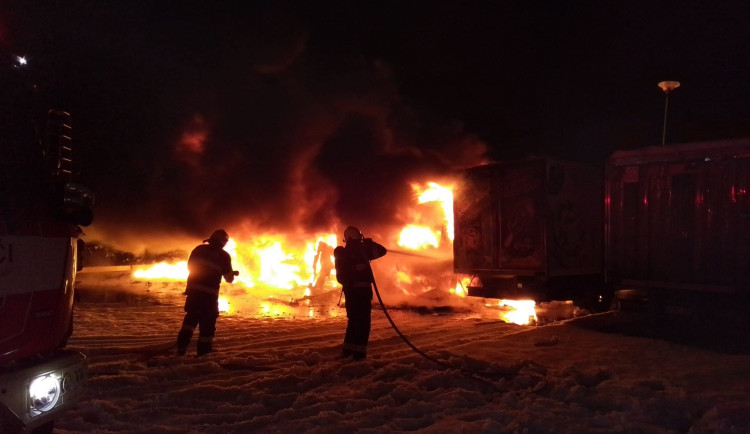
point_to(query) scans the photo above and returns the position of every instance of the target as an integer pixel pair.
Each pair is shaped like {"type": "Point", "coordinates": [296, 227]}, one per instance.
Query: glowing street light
{"type": "Point", "coordinates": [20, 62]}
{"type": "Point", "coordinates": [667, 87]}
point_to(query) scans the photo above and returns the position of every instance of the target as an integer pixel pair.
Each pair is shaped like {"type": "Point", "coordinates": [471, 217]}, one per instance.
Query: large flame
{"type": "Point", "coordinates": [287, 270]}
{"type": "Point", "coordinates": [434, 192]}
{"type": "Point", "coordinates": [164, 271]}
{"type": "Point", "coordinates": [418, 235]}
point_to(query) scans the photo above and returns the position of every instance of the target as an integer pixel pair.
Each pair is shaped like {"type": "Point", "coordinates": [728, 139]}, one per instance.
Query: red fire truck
{"type": "Point", "coordinates": [41, 214]}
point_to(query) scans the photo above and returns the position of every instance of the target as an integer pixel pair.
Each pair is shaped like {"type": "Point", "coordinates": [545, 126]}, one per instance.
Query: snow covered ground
{"type": "Point", "coordinates": [280, 372]}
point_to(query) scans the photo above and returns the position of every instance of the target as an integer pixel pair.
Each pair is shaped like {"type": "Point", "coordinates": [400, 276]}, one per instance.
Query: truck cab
{"type": "Point", "coordinates": [42, 211]}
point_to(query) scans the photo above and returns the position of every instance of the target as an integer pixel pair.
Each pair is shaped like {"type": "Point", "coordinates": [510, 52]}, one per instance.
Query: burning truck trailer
{"type": "Point", "coordinates": [41, 211]}
{"type": "Point", "coordinates": [531, 229]}
{"type": "Point", "coordinates": [677, 231]}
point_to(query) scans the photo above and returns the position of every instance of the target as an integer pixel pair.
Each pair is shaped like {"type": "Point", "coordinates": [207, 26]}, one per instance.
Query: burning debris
{"type": "Point", "coordinates": [291, 274]}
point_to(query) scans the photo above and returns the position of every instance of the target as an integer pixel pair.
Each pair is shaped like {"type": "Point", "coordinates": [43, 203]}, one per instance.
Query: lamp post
{"type": "Point", "coordinates": [667, 87]}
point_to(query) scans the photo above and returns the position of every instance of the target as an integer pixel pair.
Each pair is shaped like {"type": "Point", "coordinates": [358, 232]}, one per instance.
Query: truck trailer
{"type": "Point", "coordinates": [531, 228]}
{"type": "Point", "coordinates": [677, 223]}
{"type": "Point", "coordinates": [657, 227]}
{"type": "Point", "coordinates": [41, 214]}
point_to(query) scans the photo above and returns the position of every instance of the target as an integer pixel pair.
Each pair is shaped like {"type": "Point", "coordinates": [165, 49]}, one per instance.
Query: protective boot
{"type": "Point", "coordinates": [359, 355]}
{"type": "Point", "coordinates": [183, 340]}
{"type": "Point", "coordinates": [204, 347]}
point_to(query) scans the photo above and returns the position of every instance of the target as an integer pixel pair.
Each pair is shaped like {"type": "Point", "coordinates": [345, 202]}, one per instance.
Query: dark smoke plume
{"type": "Point", "coordinates": [276, 135]}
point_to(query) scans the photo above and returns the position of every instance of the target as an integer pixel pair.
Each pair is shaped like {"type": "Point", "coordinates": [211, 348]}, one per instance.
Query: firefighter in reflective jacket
{"type": "Point", "coordinates": [353, 272]}
{"type": "Point", "coordinates": [208, 263]}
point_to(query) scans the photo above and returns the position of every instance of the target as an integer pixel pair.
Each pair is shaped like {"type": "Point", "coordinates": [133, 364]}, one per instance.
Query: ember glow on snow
{"type": "Point", "coordinates": [282, 374]}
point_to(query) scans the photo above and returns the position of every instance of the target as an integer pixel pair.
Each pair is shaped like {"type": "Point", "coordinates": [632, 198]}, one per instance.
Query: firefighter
{"type": "Point", "coordinates": [353, 272]}
{"type": "Point", "coordinates": [208, 263]}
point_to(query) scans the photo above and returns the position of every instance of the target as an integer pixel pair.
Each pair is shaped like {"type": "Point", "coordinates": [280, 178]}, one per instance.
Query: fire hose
{"type": "Point", "coordinates": [484, 377]}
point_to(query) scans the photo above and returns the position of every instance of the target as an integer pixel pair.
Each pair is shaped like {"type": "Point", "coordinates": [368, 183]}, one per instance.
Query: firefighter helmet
{"type": "Point", "coordinates": [219, 236]}
{"type": "Point", "coordinates": [352, 233]}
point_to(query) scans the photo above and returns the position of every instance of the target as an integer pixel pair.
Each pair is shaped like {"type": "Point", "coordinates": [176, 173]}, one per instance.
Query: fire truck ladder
{"type": "Point", "coordinates": [59, 144]}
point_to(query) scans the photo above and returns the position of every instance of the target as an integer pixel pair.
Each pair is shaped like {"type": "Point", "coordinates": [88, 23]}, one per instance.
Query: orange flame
{"type": "Point", "coordinates": [285, 271]}
{"type": "Point", "coordinates": [418, 237]}
{"type": "Point", "coordinates": [435, 192]}
{"type": "Point", "coordinates": [164, 271]}
{"type": "Point", "coordinates": [461, 285]}
{"type": "Point", "coordinates": [263, 261]}
{"type": "Point", "coordinates": [520, 312]}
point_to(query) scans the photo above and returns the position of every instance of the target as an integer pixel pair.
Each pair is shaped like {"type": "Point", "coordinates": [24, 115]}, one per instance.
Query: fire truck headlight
{"type": "Point", "coordinates": [44, 391]}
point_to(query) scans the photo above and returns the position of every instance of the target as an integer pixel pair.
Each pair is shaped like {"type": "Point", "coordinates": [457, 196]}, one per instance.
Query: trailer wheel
{"type": "Point", "coordinates": [615, 305]}
{"type": "Point", "coordinates": [628, 300]}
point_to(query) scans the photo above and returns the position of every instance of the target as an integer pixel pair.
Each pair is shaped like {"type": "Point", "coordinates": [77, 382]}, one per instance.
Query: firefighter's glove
{"type": "Point", "coordinates": [236, 273]}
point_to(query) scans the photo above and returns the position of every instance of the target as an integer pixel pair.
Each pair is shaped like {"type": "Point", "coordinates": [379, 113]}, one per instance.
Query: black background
{"type": "Point", "coordinates": [313, 113]}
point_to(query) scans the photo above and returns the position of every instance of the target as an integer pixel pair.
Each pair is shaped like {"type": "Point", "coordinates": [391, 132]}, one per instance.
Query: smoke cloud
{"type": "Point", "coordinates": [277, 135]}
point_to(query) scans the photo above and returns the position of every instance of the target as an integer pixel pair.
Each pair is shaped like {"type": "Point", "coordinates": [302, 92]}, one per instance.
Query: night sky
{"type": "Point", "coordinates": [310, 114]}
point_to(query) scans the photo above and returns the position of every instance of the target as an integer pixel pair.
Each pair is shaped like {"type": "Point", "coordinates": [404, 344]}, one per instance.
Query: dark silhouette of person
{"type": "Point", "coordinates": [323, 258]}
{"type": "Point", "coordinates": [208, 263]}
{"type": "Point", "coordinates": [353, 272]}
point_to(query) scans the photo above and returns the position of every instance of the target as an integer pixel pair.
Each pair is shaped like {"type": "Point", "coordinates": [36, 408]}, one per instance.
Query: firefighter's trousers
{"type": "Point", "coordinates": [358, 313]}
{"type": "Point", "coordinates": [201, 310]}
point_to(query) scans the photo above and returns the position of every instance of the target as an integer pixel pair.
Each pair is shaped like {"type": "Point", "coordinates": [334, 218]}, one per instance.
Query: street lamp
{"type": "Point", "coordinates": [666, 86]}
